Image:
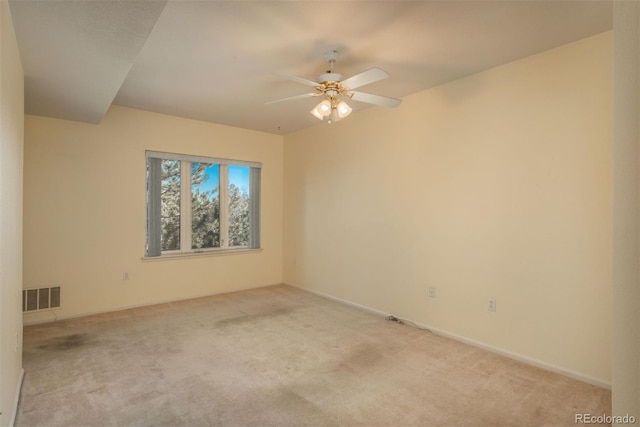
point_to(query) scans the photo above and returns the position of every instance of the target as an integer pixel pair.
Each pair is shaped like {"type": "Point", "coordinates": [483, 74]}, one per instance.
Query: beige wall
{"type": "Point", "coordinates": [625, 379]}
{"type": "Point", "coordinates": [11, 153]}
{"type": "Point", "coordinates": [85, 211]}
{"type": "Point", "coordinates": [495, 185]}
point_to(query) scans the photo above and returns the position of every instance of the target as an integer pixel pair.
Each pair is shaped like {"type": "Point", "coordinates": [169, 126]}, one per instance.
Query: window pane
{"type": "Point", "coordinates": [205, 205]}
{"type": "Point", "coordinates": [238, 205]}
{"type": "Point", "coordinates": [170, 205]}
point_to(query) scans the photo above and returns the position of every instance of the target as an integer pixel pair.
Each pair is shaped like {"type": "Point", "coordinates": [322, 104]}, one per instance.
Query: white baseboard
{"type": "Point", "coordinates": [57, 317]}
{"type": "Point", "coordinates": [510, 354]}
{"type": "Point", "coordinates": [516, 356]}
{"type": "Point", "coordinates": [341, 301]}
{"type": "Point", "coordinates": [16, 399]}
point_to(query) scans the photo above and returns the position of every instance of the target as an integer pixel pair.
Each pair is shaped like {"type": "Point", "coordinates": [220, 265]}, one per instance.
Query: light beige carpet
{"type": "Point", "coordinates": [278, 356]}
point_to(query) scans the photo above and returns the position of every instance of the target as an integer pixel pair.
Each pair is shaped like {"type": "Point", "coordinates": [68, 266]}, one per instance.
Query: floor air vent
{"type": "Point", "coordinates": [40, 299]}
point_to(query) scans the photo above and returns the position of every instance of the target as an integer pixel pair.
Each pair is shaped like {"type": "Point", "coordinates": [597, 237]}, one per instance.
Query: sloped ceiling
{"type": "Point", "coordinates": [77, 54]}
{"type": "Point", "coordinates": [216, 60]}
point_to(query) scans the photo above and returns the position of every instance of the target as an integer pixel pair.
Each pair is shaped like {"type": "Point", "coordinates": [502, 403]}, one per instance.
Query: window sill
{"type": "Point", "coordinates": [201, 254]}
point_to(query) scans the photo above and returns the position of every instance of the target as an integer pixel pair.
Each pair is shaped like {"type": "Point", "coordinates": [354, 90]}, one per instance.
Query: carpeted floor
{"type": "Point", "coordinates": [278, 356]}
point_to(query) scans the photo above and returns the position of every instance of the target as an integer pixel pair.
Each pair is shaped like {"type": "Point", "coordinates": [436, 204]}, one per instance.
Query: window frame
{"type": "Point", "coordinates": [186, 206]}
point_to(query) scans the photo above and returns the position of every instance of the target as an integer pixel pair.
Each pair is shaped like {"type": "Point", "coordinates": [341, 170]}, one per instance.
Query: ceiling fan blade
{"type": "Point", "coordinates": [382, 101]}
{"type": "Point", "coordinates": [298, 79]}
{"type": "Point", "coordinates": [291, 98]}
{"type": "Point", "coordinates": [364, 78]}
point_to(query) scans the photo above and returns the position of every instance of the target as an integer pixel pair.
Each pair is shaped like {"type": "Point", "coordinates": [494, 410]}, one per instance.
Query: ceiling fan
{"type": "Point", "coordinates": [336, 91]}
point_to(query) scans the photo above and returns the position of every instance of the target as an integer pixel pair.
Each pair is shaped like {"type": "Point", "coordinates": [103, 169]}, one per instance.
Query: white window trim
{"type": "Point", "coordinates": [202, 159]}
{"type": "Point", "coordinates": [167, 255]}
{"type": "Point", "coordinates": [185, 206]}
{"type": "Point", "coordinates": [224, 206]}
{"type": "Point", "coordinates": [185, 250]}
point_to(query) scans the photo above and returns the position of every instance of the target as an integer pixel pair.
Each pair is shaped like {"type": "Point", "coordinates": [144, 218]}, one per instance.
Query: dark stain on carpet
{"type": "Point", "coordinates": [254, 317]}
{"type": "Point", "coordinates": [68, 342]}
{"type": "Point", "coordinates": [364, 356]}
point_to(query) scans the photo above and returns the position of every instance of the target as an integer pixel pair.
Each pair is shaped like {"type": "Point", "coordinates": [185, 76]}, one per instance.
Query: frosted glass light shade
{"type": "Point", "coordinates": [343, 109]}
{"type": "Point", "coordinates": [317, 113]}
{"type": "Point", "coordinates": [322, 110]}
{"type": "Point", "coordinates": [324, 107]}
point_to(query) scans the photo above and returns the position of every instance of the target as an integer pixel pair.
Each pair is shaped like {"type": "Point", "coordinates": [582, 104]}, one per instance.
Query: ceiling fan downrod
{"type": "Point", "coordinates": [331, 57]}
{"type": "Point", "coordinates": [330, 77]}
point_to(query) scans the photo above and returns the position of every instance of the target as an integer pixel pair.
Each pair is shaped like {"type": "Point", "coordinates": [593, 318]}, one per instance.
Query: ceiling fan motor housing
{"type": "Point", "coordinates": [329, 77]}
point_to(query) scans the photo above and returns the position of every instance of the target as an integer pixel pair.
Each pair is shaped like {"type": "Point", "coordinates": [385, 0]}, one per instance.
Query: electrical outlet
{"type": "Point", "coordinates": [125, 275]}
{"type": "Point", "coordinates": [432, 292]}
{"type": "Point", "coordinates": [491, 304]}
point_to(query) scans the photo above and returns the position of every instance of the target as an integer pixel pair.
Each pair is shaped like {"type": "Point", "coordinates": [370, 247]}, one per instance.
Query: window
{"type": "Point", "coordinates": [198, 204]}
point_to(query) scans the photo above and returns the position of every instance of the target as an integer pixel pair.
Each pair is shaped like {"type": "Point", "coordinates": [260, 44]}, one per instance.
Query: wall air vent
{"type": "Point", "coordinates": [37, 299]}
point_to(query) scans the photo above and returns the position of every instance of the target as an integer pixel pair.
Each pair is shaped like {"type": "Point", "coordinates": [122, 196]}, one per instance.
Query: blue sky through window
{"type": "Point", "coordinates": [238, 175]}
{"type": "Point", "coordinates": [212, 180]}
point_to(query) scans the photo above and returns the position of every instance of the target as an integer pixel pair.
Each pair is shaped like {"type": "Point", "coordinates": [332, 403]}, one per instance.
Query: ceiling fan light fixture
{"type": "Point", "coordinates": [322, 110]}
{"type": "Point", "coordinates": [343, 109]}
{"type": "Point", "coordinates": [335, 90]}
{"type": "Point", "coordinates": [335, 116]}
{"type": "Point", "coordinates": [316, 113]}
{"type": "Point", "coordinates": [325, 107]}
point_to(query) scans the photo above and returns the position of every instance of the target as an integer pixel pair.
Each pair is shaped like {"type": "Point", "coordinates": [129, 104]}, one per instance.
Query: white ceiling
{"type": "Point", "coordinates": [216, 60]}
